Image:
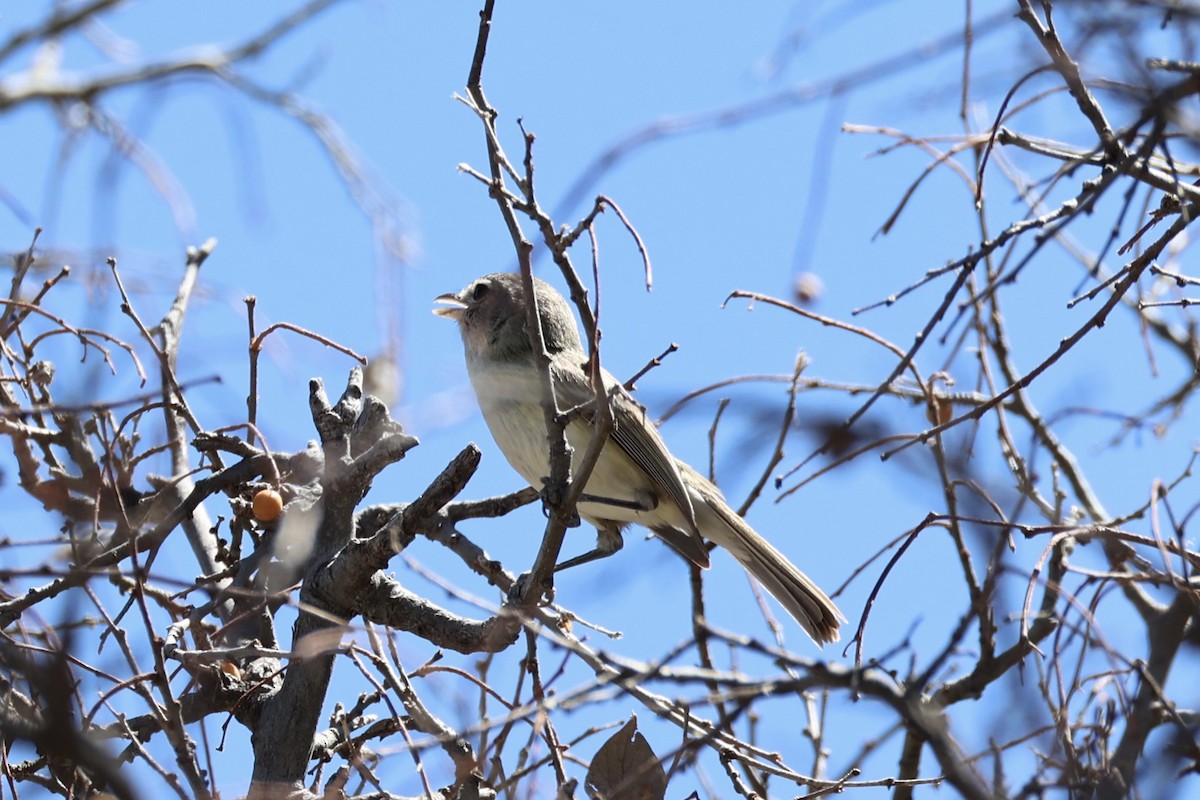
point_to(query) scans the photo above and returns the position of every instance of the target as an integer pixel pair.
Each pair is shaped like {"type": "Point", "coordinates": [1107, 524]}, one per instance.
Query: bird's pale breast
{"type": "Point", "coordinates": [518, 425]}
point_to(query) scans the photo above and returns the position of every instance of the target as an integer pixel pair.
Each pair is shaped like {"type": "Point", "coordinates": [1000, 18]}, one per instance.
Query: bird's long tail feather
{"type": "Point", "coordinates": [794, 590]}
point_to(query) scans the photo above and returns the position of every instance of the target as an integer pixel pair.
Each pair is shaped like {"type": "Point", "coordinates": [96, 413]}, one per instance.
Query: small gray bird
{"type": "Point", "coordinates": [636, 479]}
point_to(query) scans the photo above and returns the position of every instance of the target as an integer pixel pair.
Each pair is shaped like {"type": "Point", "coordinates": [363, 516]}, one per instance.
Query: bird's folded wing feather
{"type": "Point", "coordinates": [633, 432]}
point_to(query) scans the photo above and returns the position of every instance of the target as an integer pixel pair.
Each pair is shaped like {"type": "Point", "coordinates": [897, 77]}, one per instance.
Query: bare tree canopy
{"type": "Point", "coordinates": [260, 556]}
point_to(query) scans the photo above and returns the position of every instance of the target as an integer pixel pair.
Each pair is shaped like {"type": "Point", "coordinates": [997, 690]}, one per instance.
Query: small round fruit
{"type": "Point", "coordinates": [267, 505]}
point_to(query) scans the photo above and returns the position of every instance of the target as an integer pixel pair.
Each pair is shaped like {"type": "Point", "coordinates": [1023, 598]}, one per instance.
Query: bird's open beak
{"type": "Point", "coordinates": [454, 308]}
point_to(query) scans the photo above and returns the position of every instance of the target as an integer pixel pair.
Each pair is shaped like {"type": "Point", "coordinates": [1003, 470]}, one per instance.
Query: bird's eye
{"type": "Point", "coordinates": [479, 292]}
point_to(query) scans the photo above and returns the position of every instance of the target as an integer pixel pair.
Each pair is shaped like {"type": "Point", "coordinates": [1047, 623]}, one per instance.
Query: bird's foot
{"type": "Point", "coordinates": [517, 593]}
{"type": "Point", "coordinates": [552, 498]}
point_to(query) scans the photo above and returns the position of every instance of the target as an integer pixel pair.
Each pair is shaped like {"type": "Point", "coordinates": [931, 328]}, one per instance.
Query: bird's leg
{"type": "Point", "coordinates": [647, 503]}
{"type": "Point", "coordinates": [608, 541]}
{"type": "Point", "coordinates": [635, 505]}
{"type": "Point", "coordinates": [608, 536]}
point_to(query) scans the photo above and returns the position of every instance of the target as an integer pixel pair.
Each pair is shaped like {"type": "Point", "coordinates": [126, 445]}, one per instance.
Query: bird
{"type": "Point", "coordinates": [635, 479]}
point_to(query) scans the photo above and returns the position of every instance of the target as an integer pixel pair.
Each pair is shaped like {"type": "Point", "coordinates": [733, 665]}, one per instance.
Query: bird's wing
{"type": "Point", "coordinates": [633, 432]}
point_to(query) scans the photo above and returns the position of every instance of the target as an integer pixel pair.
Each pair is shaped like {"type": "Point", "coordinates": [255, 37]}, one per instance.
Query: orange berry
{"type": "Point", "coordinates": [267, 505]}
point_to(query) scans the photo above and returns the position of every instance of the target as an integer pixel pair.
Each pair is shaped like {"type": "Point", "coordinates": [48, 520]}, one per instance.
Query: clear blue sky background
{"type": "Point", "coordinates": [748, 206]}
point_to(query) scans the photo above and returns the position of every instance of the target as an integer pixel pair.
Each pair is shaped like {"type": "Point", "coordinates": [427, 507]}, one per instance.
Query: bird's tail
{"type": "Point", "coordinates": [794, 590]}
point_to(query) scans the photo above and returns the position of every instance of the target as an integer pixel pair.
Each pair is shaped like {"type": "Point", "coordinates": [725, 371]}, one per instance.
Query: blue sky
{"type": "Point", "coordinates": [745, 206]}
